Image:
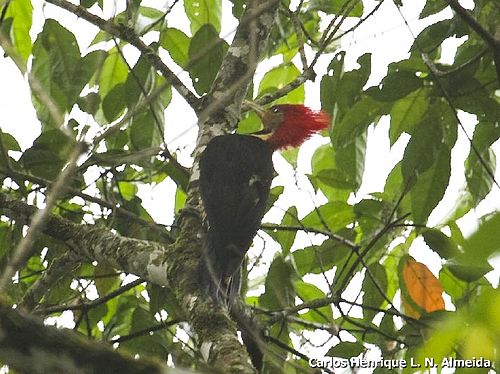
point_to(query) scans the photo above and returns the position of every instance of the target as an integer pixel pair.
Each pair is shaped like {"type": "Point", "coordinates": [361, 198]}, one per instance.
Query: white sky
{"type": "Point", "coordinates": [385, 35]}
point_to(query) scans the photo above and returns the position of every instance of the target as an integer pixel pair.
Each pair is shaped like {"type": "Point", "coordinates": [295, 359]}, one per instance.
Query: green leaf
{"type": "Point", "coordinates": [89, 103]}
{"type": "Point", "coordinates": [179, 176]}
{"type": "Point", "coordinates": [407, 112]}
{"type": "Point", "coordinates": [394, 185]}
{"type": "Point", "coordinates": [238, 8]}
{"type": "Point", "coordinates": [166, 95]}
{"type": "Point", "coordinates": [163, 298]}
{"type": "Point", "coordinates": [56, 141]}
{"type": "Point", "coordinates": [87, 67]}
{"type": "Point", "coordinates": [115, 142]}
{"type": "Point", "coordinates": [145, 132]}
{"type": "Point", "coordinates": [430, 187]}
{"type": "Point", "coordinates": [203, 12]}
{"type": "Point", "coordinates": [429, 40]}
{"type": "Point", "coordinates": [332, 181]}
{"type": "Point", "coordinates": [370, 215]}
{"type": "Point", "coordinates": [335, 214]}
{"type": "Point", "coordinates": [391, 265]}
{"type": "Point", "coordinates": [318, 259]}
{"type": "Point", "coordinates": [87, 3]}
{"type": "Point", "coordinates": [103, 281]}
{"type": "Point", "coordinates": [139, 82]}
{"type": "Point", "coordinates": [423, 149]}
{"type": "Point", "coordinates": [330, 82]}
{"type": "Point", "coordinates": [8, 142]}
{"type": "Point", "coordinates": [59, 71]}
{"type": "Point", "coordinates": [395, 85]}
{"type": "Point", "coordinates": [355, 121]}
{"type": "Point", "coordinates": [452, 285]}
{"type": "Point", "coordinates": [177, 45]}
{"type": "Point", "coordinates": [114, 71]}
{"type": "Point", "coordinates": [286, 238]}
{"type": "Point", "coordinates": [374, 289]}
{"type": "Point", "coordinates": [42, 163]}
{"type": "Point", "coordinates": [21, 12]}
{"type": "Point", "coordinates": [148, 345]}
{"type": "Point", "coordinates": [127, 190]}
{"type": "Point", "coordinates": [352, 82]}
{"type": "Point", "coordinates": [101, 36]}
{"type": "Point", "coordinates": [432, 7]}
{"type": "Point", "coordinates": [336, 7]}
{"type": "Point", "coordinates": [308, 292]}
{"type": "Point", "coordinates": [63, 54]}
{"type": "Point", "coordinates": [484, 242]}
{"type": "Point", "coordinates": [481, 162]}
{"type": "Point", "coordinates": [180, 199]}
{"type": "Point", "coordinates": [277, 78]}
{"type": "Point", "coordinates": [249, 123]}
{"type": "Point", "coordinates": [205, 63]}
{"type": "Point", "coordinates": [346, 350]}
{"type": "Point", "coordinates": [279, 291]}
{"type": "Point", "coordinates": [470, 95]}
{"type": "Point", "coordinates": [114, 102]}
{"type": "Point", "coordinates": [466, 270]}
{"type": "Point", "coordinates": [60, 291]}
{"type": "Point", "coordinates": [350, 159]}
{"type": "Point", "coordinates": [440, 243]}
{"type": "Point", "coordinates": [149, 19]}
{"type": "Point", "coordinates": [274, 196]}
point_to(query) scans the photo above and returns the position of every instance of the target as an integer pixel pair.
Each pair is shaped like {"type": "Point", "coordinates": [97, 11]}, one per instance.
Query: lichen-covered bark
{"type": "Point", "coordinates": [174, 265]}
{"type": "Point", "coordinates": [29, 346]}
{"type": "Point", "coordinates": [143, 258]}
{"type": "Point", "coordinates": [57, 269]}
{"type": "Point", "coordinates": [221, 108]}
{"type": "Point", "coordinates": [219, 114]}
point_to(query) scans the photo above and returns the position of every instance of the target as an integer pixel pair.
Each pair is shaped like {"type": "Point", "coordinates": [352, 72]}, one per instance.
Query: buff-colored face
{"type": "Point", "coordinates": [271, 119]}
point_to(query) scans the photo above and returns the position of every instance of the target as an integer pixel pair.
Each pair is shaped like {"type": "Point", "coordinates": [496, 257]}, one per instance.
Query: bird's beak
{"type": "Point", "coordinates": [256, 107]}
{"type": "Point", "coordinates": [265, 133]}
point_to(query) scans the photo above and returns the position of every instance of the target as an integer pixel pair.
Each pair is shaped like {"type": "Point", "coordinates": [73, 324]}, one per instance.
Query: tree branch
{"type": "Point", "coordinates": [143, 258]}
{"type": "Point", "coordinates": [125, 33]}
{"type": "Point", "coordinates": [484, 34]}
{"type": "Point", "coordinates": [474, 24]}
{"type": "Point", "coordinates": [115, 209]}
{"type": "Point", "coordinates": [172, 265]}
{"type": "Point", "coordinates": [23, 250]}
{"type": "Point", "coordinates": [222, 106]}
{"type": "Point", "coordinates": [93, 303]}
{"type": "Point", "coordinates": [57, 269]}
{"type": "Point", "coordinates": [331, 235]}
{"type": "Point", "coordinates": [24, 340]}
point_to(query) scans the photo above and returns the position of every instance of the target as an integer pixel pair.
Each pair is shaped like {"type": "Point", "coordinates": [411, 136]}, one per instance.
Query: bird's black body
{"type": "Point", "coordinates": [235, 178]}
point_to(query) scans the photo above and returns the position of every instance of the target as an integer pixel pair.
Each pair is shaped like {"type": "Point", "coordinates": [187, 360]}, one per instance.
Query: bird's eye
{"type": "Point", "coordinates": [275, 109]}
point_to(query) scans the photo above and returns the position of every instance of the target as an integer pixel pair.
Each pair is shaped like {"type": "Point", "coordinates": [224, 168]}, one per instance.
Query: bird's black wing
{"type": "Point", "coordinates": [235, 178]}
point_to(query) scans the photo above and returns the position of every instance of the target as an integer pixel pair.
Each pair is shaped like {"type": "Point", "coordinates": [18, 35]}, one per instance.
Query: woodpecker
{"type": "Point", "coordinates": [235, 179]}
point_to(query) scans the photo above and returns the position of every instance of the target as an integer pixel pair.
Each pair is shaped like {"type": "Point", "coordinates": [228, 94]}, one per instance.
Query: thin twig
{"type": "Point", "coordinates": [93, 303]}
{"type": "Point", "coordinates": [23, 250]}
{"type": "Point", "coordinates": [136, 334]}
{"type": "Point", "coordinates": [127, 34]}
{"type": "Point", "coordinates": [115, 209]}
{"type": "Point", "coordinates": [331, 235]}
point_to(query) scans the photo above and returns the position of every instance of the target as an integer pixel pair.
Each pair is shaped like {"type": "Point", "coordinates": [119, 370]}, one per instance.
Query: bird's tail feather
{"type": "Point", "coordinates": [224, 291]}
{"type": "Point", "coordinates": [213, 277]}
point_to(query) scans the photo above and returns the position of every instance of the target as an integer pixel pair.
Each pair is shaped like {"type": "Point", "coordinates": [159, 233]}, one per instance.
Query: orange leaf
{"type": "Point", "coordinates": [423, 287]}
{"type": "Point", "coordinates": [408, 309]}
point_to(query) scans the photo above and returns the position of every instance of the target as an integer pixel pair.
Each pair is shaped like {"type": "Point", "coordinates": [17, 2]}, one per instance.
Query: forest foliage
{"type": "Point", "coordinates": [115, 104]}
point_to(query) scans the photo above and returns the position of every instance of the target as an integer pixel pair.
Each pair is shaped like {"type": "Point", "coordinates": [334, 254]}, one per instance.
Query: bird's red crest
{"type": "Point", "coordinates": [299, 124]}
